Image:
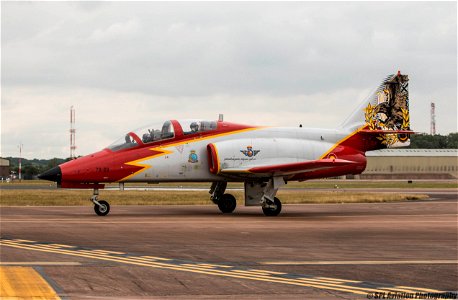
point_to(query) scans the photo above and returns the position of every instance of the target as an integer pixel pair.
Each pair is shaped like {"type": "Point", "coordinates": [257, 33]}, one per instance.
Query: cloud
{"type": "Point", "coordinates": [104, 116]}
{"type": "Point", "coordinates": [124, 64]}
{"type": "Point", "coordinates": [116, 31]}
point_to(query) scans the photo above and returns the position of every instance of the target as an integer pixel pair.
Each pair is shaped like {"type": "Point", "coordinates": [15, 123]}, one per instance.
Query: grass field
{"type": "Point", "coordinates": [324, 183]}
{"type": "Point", "coordinates": [59, 197]}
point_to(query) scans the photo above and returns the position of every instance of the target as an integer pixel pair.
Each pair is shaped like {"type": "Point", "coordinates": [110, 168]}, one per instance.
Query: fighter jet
{"type": "Point", "coordinates": [263, 158]}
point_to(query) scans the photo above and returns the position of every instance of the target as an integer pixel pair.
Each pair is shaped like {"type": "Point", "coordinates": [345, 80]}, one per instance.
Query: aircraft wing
{"type": "Point", "coordinates": [287, 168]}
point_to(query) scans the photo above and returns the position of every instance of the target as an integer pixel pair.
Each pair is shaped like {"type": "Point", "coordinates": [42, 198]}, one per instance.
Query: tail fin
{"type": "Point", "coordinates": [384, 115]}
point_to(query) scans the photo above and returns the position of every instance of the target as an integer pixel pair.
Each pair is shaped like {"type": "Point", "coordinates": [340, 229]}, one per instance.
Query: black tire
{"type": "Point", "coordinates": [104, 210]}
{"type": "Point", "coordinates": [227, 203]}
{"type": "Point", "coordinates": [272, 212]}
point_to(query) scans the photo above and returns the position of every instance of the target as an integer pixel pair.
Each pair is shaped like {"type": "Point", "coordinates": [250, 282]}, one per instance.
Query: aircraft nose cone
{"type": "Point", "coordinates": [54, 174]}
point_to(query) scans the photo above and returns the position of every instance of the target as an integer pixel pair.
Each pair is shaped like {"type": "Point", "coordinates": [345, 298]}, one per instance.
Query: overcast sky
{"type": "Point", "coordinates": [126, 64]}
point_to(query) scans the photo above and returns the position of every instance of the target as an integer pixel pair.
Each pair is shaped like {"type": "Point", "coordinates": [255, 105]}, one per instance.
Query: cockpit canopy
{"type": "Point", "coordinates": [190, 126]}
{"type": "Point", "coordinates": [161, 131]}
{"type": "Point", "coordinates": [153, 133]}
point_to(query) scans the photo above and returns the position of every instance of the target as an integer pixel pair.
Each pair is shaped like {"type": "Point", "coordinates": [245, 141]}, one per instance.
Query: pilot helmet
{"type": "Point", "coordinates": [194, 126]}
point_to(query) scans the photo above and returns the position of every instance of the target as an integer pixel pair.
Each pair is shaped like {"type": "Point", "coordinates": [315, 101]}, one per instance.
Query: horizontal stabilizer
{"type": "Point", "coordinates": [380, 131]}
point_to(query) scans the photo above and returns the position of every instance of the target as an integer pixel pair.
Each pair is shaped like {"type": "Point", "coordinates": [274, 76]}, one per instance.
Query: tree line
{"type": "Point", "coordinates": [437, 141]}
{"type": "Point", "coordinates": [33, 167]}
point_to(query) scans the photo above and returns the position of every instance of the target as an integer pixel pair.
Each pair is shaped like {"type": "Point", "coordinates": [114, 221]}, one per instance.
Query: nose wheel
{"type": "Point", "coordinates": [227, 203]}
{"type": "Point", "coordinates": [101, 208]}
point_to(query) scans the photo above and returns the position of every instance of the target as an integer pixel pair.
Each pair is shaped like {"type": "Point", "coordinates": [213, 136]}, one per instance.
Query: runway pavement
{"type": "Point", "coordinates": [309, 251]}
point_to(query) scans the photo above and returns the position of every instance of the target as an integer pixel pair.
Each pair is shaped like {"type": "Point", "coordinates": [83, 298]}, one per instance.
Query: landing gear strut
{"type": "Point", "coordinates": [271, 205]}
{"type": "Point", "coordinates": [226, 202]}
{"type": "Point", "coordinates": [101, 207]}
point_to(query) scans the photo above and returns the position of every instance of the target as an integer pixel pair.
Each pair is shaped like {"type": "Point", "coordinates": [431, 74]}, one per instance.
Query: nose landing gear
{"type": "Point", "coordinates": [226, 202]}
{"type": "Point", "coordinates": [101, 207]}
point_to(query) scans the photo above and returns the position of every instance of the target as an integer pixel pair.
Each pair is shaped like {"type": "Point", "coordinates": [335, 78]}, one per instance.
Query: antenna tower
{"type": "Point", "coordinates": [72, 132]}
{"type": "Point", "coordinates": [433, 119]}
{"type": "Point", "coordinates": [20, 162]}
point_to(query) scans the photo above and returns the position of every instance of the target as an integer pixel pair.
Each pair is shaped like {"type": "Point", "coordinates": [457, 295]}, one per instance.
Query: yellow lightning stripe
{"type": "Point", "coordinates": [143, 166]}
{"type": "Point", "coordinates": [340, 142]}
{"type": "Point", "coordinates": [213, 136]}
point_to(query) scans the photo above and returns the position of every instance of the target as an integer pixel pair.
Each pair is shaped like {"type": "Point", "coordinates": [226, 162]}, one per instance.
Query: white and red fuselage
{"type": "Point", "coordinates": [219, 154]}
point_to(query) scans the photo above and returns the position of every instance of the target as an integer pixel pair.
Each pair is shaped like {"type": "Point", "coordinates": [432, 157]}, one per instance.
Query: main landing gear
{"type": "Point", "coordinates": [271, 205]}
{"type": "Point", "coordinates": [260, 193]}
{"type": "Point", "coordinates": [272, 208]}
{"type": "Point", "coordinates": [101, 207]}
{"type": "Point", "coordinates": [226, 202]}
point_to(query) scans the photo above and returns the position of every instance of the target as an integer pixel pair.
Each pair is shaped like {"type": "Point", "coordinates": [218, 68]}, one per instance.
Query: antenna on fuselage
{"type": "Point", "coordinates": [220, 118]}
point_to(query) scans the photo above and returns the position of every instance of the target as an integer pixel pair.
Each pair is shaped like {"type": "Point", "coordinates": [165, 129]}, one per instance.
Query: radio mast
{"type": "Point", "coordinates": [433, 119]}
{"type": "Point", "coordinates": [72, 133]}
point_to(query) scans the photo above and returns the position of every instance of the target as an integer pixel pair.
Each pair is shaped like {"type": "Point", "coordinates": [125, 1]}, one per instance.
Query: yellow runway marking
{"type": "Point", "coordinates": [364, 262]}
{"type": "Point", "coordinates": [224, 266]}
{"type": "Point", "coordinates": [263, 273]}
{"type": "Point", "coordinates": [154, 257]}
{"type": "Point", "coordinates": [396, 289]}
{"type": "Point", "coordinates": [420, 289]}
{"type": "Point", "coordinates": [24, 283]}
{"type": "Point", "coordinates": [107, 252]}
{"type": "Point", "coordinates": [268, 272]}
{"type": "Point", "coordinates": [317, 281]}
{"type": "Point", "coordinates": [208, 265]}
{"type": "Point", "coordinates": [326, 283]}
{"type": "Point", "coordinates": [337, 279]}
{"type": "Point", "coordinates": [26, 241]}
{"type": "Point", "coordinates": [189, 269]}
{"type": "Point", "coordinates": [39, 263]}
{"type": "Point", "coordinates": [54, 246]}
{"type": "Point", "coordinates": [200, 265]}
{"type": "Point", "coordinates": [61, 246]}
{"type": "Point", "coordinates": [330, 280]}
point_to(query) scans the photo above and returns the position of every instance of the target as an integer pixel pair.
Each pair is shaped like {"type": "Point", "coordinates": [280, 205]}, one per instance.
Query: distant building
{"type": "Point", "coordinates": [4, 168]}
{"type": "Point", "coordinates": [411, 164]}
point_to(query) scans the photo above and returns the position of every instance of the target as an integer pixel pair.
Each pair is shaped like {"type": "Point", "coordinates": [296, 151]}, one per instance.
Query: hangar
{"type": "Point", "coordinates": [4, 168]}
{"type": "Point", "coordinates": [411, 164]}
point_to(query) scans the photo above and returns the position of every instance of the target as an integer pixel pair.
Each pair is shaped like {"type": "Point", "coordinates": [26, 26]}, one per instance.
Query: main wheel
{"type": "Point", "coordinates": [227, 203]}
{"type": "Point", "coordinates": [103, 209]}
{"type": "Point", "coordinates": [274, 210]}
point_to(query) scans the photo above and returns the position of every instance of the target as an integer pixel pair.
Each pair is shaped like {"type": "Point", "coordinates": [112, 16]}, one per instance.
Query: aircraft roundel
{"type": "Point", "coordinates": [332, 156]}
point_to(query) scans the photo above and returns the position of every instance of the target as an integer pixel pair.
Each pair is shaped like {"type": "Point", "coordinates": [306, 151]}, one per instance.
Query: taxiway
{"type": "Point", "coordinates": [330, 250]}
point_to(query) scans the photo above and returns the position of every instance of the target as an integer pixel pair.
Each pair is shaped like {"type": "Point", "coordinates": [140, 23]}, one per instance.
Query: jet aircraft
{"type": "Point", "coordinates": [263, 158]}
